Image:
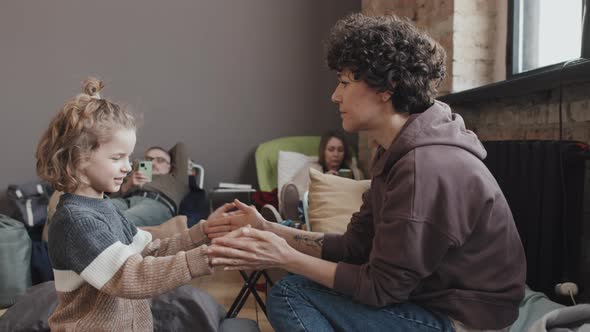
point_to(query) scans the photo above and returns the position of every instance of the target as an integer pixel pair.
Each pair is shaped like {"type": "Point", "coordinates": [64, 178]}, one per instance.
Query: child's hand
{"type": "Point", "coordinates": [216, 218]}
{"type": "Point", "coordinates": [245, 215]}
{"type": "Point", "coordinates": [223, 211]}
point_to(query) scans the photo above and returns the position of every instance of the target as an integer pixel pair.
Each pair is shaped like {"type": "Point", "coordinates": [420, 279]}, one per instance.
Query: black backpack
{"type": "Point", "coordinates": [30, 201]}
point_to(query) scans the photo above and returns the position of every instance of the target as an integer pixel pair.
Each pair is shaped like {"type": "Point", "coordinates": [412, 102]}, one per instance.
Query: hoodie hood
{"type": "Point", "coordinates": [435, 126]}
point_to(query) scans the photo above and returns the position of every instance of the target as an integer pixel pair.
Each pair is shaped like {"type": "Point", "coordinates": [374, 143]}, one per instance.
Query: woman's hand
{"type": "Point", "coordinates": [333, 172]}
{"type": "Point", "coordinates": [245, 215]}
{"type": "Point", "coordinates": [250, 249]}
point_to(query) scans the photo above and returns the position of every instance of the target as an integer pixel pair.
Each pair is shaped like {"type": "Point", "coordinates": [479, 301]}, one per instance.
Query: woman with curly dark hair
{"type": "Point", "coordinates": [434, 245]}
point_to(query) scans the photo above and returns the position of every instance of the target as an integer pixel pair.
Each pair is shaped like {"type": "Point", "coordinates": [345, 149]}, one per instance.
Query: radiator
{"type": "Point", "coordinates": [543, 182]}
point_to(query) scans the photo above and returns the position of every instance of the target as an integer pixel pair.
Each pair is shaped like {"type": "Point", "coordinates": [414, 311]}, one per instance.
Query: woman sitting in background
{"type": "Point", "coordinates": [334, 157]}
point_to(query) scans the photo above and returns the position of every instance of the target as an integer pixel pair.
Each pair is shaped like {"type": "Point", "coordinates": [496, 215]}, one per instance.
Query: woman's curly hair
{"type": "Point", "coordinates": [389, 54]}
{"type": "Point", "coordinates": [85, 122]}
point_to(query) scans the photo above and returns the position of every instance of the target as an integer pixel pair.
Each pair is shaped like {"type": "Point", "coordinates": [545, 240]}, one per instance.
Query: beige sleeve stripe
{"type": "Point", "coordinates": [105, 265]}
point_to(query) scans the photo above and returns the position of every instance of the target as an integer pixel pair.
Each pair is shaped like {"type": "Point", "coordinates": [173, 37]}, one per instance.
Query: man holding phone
{"type": "Point", "coordinates": [152, 192]}
{"type": "Point", "coordinates": [157, 161]}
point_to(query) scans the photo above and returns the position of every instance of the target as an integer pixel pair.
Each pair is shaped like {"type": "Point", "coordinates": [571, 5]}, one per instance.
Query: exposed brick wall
{"type": "Point", "coordinates": [473, 33]}
{"type": "Point", "coordinates": [474, 44]}
{"type": "Point", "coordinates": [534, 116]}
{"type": "Point", "coordinates": [435, 17]}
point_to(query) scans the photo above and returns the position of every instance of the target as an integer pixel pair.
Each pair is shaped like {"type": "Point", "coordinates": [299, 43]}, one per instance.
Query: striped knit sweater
{"type": "Point", "coordinates": [106, 269]}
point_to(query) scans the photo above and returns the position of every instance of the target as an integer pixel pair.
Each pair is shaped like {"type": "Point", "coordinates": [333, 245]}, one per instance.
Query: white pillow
{"type": "Point", "coordinates": [294, 167]}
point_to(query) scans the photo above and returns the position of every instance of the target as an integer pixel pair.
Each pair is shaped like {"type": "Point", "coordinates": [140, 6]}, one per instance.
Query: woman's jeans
{"type": "Point", "coordinates": [298, 304]}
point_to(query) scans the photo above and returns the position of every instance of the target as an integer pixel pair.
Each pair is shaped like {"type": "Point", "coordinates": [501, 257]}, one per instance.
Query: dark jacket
{"type": "Point", "coordinates": [434, 229]}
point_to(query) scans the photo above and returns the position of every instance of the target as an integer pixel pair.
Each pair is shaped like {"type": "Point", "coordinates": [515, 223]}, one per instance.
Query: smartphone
{"type": "Point", "coordinates": [345, 173]}
{"type": "Point", "coordinates": [145, 168]}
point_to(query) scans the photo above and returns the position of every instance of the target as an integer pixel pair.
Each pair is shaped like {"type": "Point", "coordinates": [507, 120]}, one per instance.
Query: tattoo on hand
{"type": "Point", "coordinates": [310, 241]}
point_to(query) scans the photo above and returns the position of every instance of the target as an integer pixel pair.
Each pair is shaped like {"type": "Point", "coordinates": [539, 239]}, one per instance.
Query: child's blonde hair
{"type": "Point", "coordinates": [85, 122]}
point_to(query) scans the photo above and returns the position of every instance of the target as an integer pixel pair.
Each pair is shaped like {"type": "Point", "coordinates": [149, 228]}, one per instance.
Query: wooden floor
{"type": "Point", "coordinates": [224, 286]}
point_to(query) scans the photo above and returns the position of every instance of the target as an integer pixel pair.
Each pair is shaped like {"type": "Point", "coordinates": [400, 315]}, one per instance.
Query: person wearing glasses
{"type": "Point", "coordinates": [149, 203]}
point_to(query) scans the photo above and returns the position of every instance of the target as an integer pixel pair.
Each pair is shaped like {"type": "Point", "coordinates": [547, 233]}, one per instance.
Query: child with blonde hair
{"type": "Point", "coordinates": [105, 268]}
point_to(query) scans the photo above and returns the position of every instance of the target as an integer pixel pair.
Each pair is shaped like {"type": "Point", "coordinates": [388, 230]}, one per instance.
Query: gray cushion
{"type": "Point", "coordinates": [183, 309]}
{"type": "Point", "coordinates": [186, 308]}
{"type": "Point", "coordinates": [238, 324]}
{"type": "Point", "coordinates": [30, 312]}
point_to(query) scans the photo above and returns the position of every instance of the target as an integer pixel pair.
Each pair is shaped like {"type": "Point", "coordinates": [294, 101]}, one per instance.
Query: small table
{"type": "Point", "coordinates": [249, 287]}
{"type": "Point", "coordinates": [220, 196]}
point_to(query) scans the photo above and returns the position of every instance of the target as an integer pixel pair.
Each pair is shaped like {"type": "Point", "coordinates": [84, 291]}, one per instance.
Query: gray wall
{"type": "Point", "coordinates": [221, 75]}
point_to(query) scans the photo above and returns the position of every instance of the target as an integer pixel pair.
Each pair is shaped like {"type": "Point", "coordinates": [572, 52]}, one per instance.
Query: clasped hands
{"type": "Point", "coordinates": [240, 239]}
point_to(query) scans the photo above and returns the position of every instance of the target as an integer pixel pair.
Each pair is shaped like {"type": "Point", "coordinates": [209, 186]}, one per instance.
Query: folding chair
{"type": "Point", "coordinates": [249, 287]}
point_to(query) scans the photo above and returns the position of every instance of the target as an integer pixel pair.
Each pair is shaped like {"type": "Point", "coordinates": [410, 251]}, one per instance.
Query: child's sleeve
{"type": "Point", "coordinates": [186, 240]}
{"type": "Point", "coordinates": [121, 270]}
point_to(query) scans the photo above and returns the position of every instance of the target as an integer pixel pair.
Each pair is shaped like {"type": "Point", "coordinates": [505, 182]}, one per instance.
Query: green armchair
{"type": "Point", "coordinates": [267, 156]}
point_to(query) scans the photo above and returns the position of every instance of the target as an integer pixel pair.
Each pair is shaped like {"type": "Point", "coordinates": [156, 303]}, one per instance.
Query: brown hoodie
{"type": "Point", "coordinates": [434, 229]}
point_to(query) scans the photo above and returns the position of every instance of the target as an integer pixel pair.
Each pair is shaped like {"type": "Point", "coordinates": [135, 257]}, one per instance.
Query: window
{"type": "Point", "coordinates": [545, 33]}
